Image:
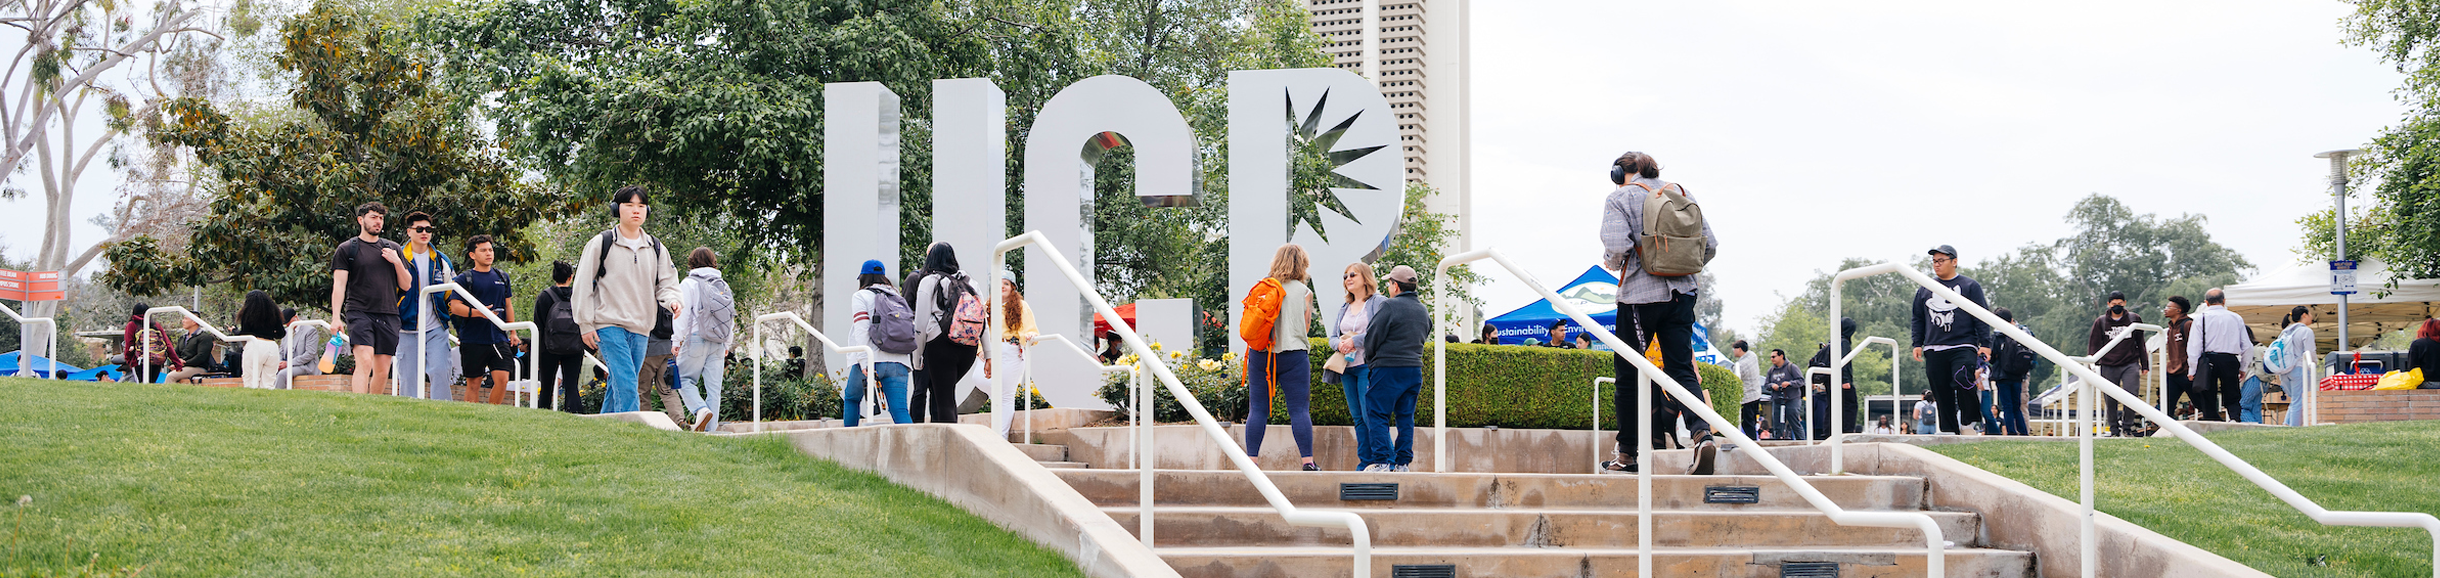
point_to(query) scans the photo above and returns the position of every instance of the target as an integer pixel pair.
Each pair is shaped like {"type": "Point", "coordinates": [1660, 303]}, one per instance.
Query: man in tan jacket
{"type": "Point", "coordinates": [624, 275]}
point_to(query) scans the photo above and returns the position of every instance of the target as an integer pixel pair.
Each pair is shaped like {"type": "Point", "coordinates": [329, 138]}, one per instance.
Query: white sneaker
{"type": "Point", "coordinates": [1376, 468]}
{"type": "Point", "coordinates": [1399, 468]}
{"type": "Point", "coordinates": [703, 417]}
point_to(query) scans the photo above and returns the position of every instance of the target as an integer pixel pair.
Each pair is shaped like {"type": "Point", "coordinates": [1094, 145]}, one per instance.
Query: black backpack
{"type": "Point", "coordinates": [560, 334]}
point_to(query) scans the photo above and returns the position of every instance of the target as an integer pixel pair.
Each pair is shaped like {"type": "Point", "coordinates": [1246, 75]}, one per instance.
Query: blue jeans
{"type": "Point", "coordinates": [2011, 407]}
{"type": "Point", "coordinates": [1990, 421]}
{"type": "Point", "coordinates": [702, 363]}
{"type": "Point", "coordinates": [623, 351]}
{"type": "Point", "coordinates": [1352, 384]}
{"type": "Point", "coordinates": [1292, 373]}
{"type": "Point", "coordinates": [1391, 390]}
{"type": "Point", "coordinates": [2249, 401]}
{"type": "Point", "coordinates": [437, 369]}
{"type": "Point", "coordinates": [893, 377]}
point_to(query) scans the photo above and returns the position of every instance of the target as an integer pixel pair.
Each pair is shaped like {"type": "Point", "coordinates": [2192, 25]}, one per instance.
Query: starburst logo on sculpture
{"type": "Point", "coordinates": [1314, 160]}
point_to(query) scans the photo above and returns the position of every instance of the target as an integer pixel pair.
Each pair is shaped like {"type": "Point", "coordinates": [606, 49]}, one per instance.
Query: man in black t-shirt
{"type": "Point", "coordinates": [366, 275]}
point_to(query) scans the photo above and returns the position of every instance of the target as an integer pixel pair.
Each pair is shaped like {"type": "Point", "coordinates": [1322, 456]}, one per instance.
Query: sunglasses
{"type": "Point", "coordinates": [1350, 276]}
{"type": "Point", "coordinates": [424, 229]}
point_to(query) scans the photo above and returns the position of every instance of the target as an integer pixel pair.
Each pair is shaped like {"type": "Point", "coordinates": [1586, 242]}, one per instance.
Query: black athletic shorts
{"type": "Point", "coordinates": [372, 329]}
{"type": "Point", "coordinates": [480, 359]}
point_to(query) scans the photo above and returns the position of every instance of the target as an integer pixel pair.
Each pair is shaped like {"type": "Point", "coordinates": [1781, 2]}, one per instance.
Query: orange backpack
{"type": "Point", "coordinates": [1261, 315]}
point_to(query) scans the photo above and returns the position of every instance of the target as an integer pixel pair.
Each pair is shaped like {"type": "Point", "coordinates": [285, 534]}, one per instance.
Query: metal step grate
{"type": "Point", "coordinates": [1423, 570]}
{"type": "Point", "coordinates": [1373, 491]}
{"type": "Point", "coordinates": [1732, 494]}
{"type": "Point", "coordinates": [1808, 570]}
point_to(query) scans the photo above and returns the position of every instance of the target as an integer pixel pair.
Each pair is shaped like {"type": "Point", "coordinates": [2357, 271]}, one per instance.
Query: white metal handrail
{"type": "Point", "coordinates": [1935, 554]}
{"type": "Point", "coordinates": [2092, 379]}
{"type": "Point", "coordinates": [1838, 409]}
{"type": "Point", "coordinates": [1356, 529]}
{"type": "Point", "coordinates": [871, 382]}
{"type": "Point", "coordinates": [199, 322]}
{"type": "Point", "coordinates": [423, 355]}
{"type": "Point", "coordinates": [1028, 379]}
{"type": "Point", "coordinates": [22, 363]}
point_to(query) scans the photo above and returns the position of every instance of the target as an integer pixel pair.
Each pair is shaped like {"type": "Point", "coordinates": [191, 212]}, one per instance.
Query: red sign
{"type": "Point", "coordinates": [34, 286]}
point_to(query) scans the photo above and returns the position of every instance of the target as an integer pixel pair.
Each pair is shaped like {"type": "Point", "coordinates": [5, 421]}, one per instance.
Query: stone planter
{"type": "Point", "coordinates": [319, 383]}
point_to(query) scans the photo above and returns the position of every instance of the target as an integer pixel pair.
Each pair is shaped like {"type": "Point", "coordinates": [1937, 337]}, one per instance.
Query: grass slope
{"type": "Point", "coordinates": [187, 481]}
{"type": "Point", "coordinates": [2171, 488]}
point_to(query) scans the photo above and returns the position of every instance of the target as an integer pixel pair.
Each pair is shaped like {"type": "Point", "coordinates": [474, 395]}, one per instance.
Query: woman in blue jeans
{"type": "Point", "coordinates": [890, 369]}
{"type": "Point", "coordinates": [1346, 337]}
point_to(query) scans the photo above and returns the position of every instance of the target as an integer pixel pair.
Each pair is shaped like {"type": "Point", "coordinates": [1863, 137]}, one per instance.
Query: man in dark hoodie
{"type": "Point", "coordinates": [1393, 351]}
{"type": "Point", "coordinates": [2124, 364]}
{"type": "Point", "coordinates": [1948, 340]}
{"type": "Point", "coordinates": [1846, 391]}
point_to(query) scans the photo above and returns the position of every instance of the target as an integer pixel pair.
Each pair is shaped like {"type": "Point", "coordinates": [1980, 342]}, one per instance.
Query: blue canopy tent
{"type": "Point", "coordinates": [1596, 294]}
{"type": "Point", "coordinates": [41, 365]}
{"type": "Point", "coordinates": [103, 373]}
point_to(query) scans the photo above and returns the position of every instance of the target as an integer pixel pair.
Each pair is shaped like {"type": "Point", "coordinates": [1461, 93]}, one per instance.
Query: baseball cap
{"type": "Point", "coordinates": [1402, 273]}
{"type": "Point", "coordinates": [873, 267]}
{"type": "Point", "coordinates": [1944, 250]}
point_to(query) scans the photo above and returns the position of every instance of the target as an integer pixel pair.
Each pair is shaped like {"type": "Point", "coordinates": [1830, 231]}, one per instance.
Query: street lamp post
{"type": "Point", "coordinates": [2338, 191]}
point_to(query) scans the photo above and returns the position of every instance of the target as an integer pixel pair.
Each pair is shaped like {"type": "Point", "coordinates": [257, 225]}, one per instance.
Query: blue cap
{"type": "Point", "coordinates": [873, 267]}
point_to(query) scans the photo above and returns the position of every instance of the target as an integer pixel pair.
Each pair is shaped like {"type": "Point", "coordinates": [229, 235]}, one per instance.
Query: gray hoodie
{"type": "Point", "coordinates": [636, 280]}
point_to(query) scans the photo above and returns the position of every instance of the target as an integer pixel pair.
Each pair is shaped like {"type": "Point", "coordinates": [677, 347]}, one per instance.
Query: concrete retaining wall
{"type": "Point", "coordinates": [1186, 447]}
{"type": "Point", "coordinates": [969, 467]}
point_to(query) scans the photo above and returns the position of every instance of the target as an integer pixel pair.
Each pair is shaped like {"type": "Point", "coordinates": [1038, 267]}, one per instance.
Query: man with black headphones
{"type": "Point", "coordinates": [1651, 308]}
{"type": "Point", "coordinates": [625, 274]}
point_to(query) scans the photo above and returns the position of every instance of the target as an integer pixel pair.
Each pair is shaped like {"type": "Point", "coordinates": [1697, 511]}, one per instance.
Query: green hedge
{"type": "Point", "coordinates": [1500, 385]}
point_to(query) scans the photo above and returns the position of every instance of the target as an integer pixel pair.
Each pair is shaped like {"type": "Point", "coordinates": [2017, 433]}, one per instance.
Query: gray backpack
{"type": "Point", "coordinates": [716, 310]}
{"type": "Point", "coordinates": [893, 329]}
{"type": "Point", "coordinates": [1672, 243]}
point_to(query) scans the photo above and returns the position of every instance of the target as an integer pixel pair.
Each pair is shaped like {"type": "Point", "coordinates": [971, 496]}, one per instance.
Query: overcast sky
{"type": "Point", "coordinates": [1816, 131]}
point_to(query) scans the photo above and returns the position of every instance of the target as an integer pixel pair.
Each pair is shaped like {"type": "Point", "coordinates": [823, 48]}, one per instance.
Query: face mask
{"type": "Point", "coordinates": [2118, 309]}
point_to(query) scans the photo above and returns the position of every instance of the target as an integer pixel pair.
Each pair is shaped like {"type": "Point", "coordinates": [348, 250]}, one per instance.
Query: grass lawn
{"type": "Point", "coordinates": [190, 481]}
{"type": "Point", "coordinates": [2171, 488]}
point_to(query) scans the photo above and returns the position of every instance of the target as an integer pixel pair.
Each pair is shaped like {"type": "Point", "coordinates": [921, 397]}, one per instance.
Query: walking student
{"type": "Point", "coordinates": [703, 336]}
{"type": "Point", "coordinates": [1656, 297]}
{"type": "Point", "coordinates": [301, 351]}
{"type": "Point", "coordinates": [1346, 331]}
{"type": "Point", "coordinates": [1393, 346]}
{"type": "Point", "coordinates": [2296, 341]}
{"type": "Point", "coordinates": [1749, 371]}
{"type": "Point", "coordinates": [2215, 354]}
{"type": "Point", "coordinates": [1851, 423]}
{"type": "Point", "coordinates": [2011, 363]}
{"type": "Point", "coordinates": [659, 374]}
{"type": "Point", "coordinates": [424, 318]}
{"type": "Point", "coordinates": [1017, 333]}
{"type": "Point", "coordinates": [366, 275]}
{"type": "Point", "coordinates": [1787, 387]}
{"type": "Point", "coordinates": [2124, 365]}
{"type": "Point", "coordinates": [625, 276]}
{"type": "Point", "coordinates": [484, 350]}
{"type": "Point", "coordinates": [2174, 341]}
{"type": "Point", "coordinates": [1284, 369]}
{"type": "Point", "coordinates": [1948, 341]}
{"type": "Point", "coordinates": [885, 325]}
{"type": "Point", "coordinates": [563, 347]}
{"type": "Point", "coordinates": [260, 318]}
{"type": "Point", "coordinates": [949, 312]}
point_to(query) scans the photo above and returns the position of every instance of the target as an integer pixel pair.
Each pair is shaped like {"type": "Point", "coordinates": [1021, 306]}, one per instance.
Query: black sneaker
{"type": "Point", "coordinates": [1312, 468]}
{"type": "Point", "coordinates": [1615, 467]}
{"type": "Point", "coordinates": [1704, 454]}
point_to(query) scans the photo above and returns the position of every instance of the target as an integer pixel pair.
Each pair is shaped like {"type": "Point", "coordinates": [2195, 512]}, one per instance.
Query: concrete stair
{"type": "Point", "coordinates": [1213, 524]}
{"type": "Point", "coordinates": [1051, 456]}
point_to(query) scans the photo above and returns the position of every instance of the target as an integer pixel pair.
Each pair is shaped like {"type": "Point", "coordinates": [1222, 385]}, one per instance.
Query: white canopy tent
{"type": "Point", "coordinates": [2373, 310]}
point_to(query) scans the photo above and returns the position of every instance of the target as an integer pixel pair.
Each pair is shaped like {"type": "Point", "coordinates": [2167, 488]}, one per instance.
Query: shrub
{"type": "Point", "coordinates": [1215, 383]}
{"type": "Point", "coordinates": [1488, 385]}
{"type": "Point", "coordinates": [785, 396]}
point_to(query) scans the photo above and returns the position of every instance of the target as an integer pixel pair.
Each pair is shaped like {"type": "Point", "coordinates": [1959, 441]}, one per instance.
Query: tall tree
{"type": "Point", "coordinates": [2402, 225]}
{"type": "Point", "coordinates": [365, 125]}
